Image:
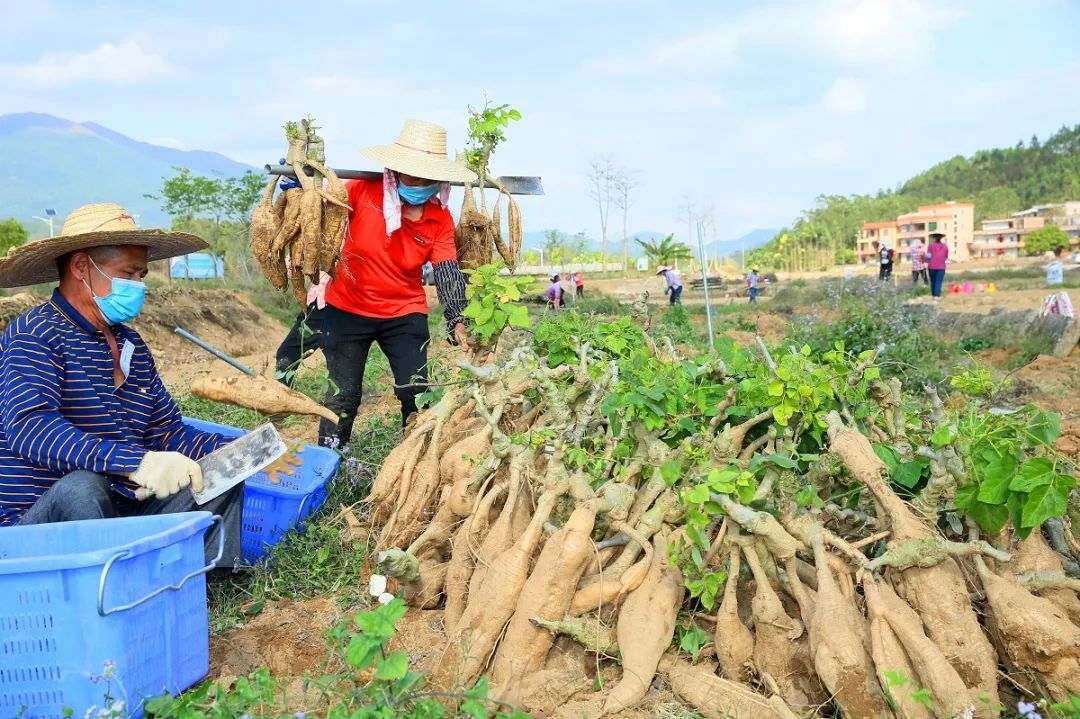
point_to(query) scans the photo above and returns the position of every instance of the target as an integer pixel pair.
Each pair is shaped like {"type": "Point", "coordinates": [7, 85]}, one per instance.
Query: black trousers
{"type": "Point", "coordinates": [922, 274]}
{"type": "Point", "coordinates": [346, 340]}
{"type": "Point", "coordinates": [304, 338]}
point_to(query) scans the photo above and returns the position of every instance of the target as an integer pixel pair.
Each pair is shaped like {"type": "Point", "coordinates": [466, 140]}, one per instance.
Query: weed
{"type": "Point", "coordinates": [974, 344]}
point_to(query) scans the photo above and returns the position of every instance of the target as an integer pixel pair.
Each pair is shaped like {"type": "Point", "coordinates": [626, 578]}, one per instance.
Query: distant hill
{"type": "Point", "coordinates": [750, 241]}
{"type": "Point", "coordinates": [48, 161]}
{"type": "Point", "coordinates": [999, 181]}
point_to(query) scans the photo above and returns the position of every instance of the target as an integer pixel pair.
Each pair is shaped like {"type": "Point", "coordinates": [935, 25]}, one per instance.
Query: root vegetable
{"type": "Point", "coordinates": [470, 645]}
{"type": "Point", "coordinates": [890, 660]}
{"type": "Point", "coordinates": [501, 536]}
{"type": "Point", "coordinates": [311, 204]}
{"type": "Point", "coordinates": [1036, 634]}
{"type": "Point", "coordinates": [462, 559]}
{"type": "Point", "coordinates": [290, 223]}
{"type": "Point", "coordinates": [781, 648]}
{"type": "Point", "coordinates": [645, 627]}
{"type": "Point", "coordinates": [264, 225]}
{"type": "Point", "coordinates": [1032, 561]}
{"type": "Point", "coordinates": [939, 594]}
{"type": "Point", "coordinates": [929, 664]}
{"type": "Point", "coordinates": [734, 642]}
{"type": "Point", "coordinates": [839, 644]}
{"type": "Point", "coordinates": [260, 394]}
{"type": "Point", "coordinates": [717, 698]}
{"type": "Point", "coordinates": [546, 595]}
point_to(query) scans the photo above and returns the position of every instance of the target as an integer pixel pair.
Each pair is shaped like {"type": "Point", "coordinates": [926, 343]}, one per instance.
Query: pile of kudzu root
{"type": "Point", "coordinates": [298, 236]}
{"type": "Point", "coordinates": [849, 549]}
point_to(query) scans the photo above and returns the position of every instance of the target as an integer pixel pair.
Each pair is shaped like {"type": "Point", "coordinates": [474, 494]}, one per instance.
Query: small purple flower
{"type": "Point", "coordinates": [109, 670]}
{"type": "Point", "coordinates": [301, 715]}
{"type": "Point", "coordinates": [1028, 710]}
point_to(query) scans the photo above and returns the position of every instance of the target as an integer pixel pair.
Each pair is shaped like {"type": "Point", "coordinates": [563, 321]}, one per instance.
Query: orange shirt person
{"type": "Point", "coordinates": [377, 296]}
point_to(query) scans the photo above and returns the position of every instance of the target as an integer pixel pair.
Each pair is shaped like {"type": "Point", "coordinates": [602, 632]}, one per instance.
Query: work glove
{"type": "Point", "coordinates": [287, 183]}
{"type": "Point", "coordinates": [162, 474]}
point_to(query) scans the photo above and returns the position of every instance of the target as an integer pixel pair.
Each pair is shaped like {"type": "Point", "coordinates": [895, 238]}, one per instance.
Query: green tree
{"type": "Point", "coordinates": [1045, 239]}
{"type": "Point", "coordinates": [12, 234]}
{"type": "Point", "coordinates": [217, 210]}
{"type": "Point", "coordinates": [556, 248]}
{"type": "Point", "coordinates": [666, 251]}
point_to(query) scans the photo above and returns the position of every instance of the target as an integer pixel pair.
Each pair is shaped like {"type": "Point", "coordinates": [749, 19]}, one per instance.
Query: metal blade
{"type": "Point", "coordinates": [515, 184]}
{"type": "Point", "coordinates": [231, 464]}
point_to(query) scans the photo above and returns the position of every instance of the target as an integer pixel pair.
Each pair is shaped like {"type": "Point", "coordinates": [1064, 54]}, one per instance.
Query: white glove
{"type": "Point", "coordinates": [162, 474]}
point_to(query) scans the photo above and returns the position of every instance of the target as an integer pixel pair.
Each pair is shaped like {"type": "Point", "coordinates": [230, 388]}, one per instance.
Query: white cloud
{"type": "Point", "coordinates": [881, 31]}
{"type": "Point", "coordinates": [847, 96]}
{"type": "Point", "coordinates": [108, 64]}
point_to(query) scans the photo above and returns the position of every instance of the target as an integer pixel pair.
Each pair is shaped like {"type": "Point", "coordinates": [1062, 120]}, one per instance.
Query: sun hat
{"type": "Point", "coordinates": [662, 269]}
{"type": "Point", "coordinates": [420, 151]}
{"type": "Point", "coordinates": [90, 226]}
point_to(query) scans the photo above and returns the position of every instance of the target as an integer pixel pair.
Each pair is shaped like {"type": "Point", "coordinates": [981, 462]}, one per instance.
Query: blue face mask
{"type": "Point", "coordinates": [417, 195]}
{"type": "Point", "coordinates": [124, 301]}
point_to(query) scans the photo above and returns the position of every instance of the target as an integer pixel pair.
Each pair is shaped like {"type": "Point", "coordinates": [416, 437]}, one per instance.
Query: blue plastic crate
{"type": "Point", "coordinates": [271, 509]}
{"type": "Point", "coordinates": [75, 594]}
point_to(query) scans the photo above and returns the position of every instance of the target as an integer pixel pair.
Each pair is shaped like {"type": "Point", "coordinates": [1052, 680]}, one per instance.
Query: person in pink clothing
{"type": "Point", "coordinates": [937, 254]}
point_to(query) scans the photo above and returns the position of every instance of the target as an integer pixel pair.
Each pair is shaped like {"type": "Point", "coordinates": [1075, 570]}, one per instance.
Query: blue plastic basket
{"type": "Point", "coordinates": [271, 509]}
{"type": "Point", "coordinates": [75, 594]}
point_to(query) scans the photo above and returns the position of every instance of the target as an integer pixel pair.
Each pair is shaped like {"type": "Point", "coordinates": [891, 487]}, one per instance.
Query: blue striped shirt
{"type": "Point", "coordinates": [60, 410]}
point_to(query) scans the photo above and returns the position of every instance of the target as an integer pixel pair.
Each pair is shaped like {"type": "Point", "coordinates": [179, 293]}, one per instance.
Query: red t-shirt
{"type": "Point", "coordinates": [382, 276]}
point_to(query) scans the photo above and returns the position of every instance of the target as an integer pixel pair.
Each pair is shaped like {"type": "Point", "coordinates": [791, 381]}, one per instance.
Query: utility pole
{"type": "Point", "coordinates": [705, 285]}
{"type": "Point", "coordinates": [50, 213]}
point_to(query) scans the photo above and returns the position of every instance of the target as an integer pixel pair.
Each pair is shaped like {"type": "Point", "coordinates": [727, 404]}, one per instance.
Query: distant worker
{"type": "Point", "coordinates": [918, 263]}
{"type": "Point", "coordinates": [579, 285]}
{"type": "Point", "coordinates": [674, 285]}
{"type": "Point", "coordinates": [553, 294]}
{"type": "Point", "coordinates": [1055, 270]}
{"type": "Point", "coordinates": [885, 260]}
{"type": "Point", "coordinates": [752, 281]}
{"type": "Point", "coordinates": [937, 255]}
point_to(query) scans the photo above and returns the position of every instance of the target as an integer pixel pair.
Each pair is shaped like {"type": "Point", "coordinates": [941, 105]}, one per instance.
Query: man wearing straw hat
{"type": "Point", "coordinates": [397, 224]}
{"type": "Point", "coordinates": [87, 429]}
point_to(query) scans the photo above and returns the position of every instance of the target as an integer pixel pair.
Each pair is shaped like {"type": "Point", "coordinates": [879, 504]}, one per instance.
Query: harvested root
{"type": "Point", "coordinates": [261, 394]}
{"type": "Point", "coordinates": [264, 225]}
{"type": "Point", "coordinates": [645, 628]}
{"type": "Point", "coordinates": [718, 698]}
{"type": "Point", "coordinates": [588, 631]}
{"type": "Point", "coordinates": [734, 642]}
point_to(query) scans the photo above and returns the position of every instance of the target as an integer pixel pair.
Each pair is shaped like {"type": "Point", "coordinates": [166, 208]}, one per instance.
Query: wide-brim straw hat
{"type": "Point", "coordinates": [420, 151]}
{"type": "Point", "coordinates": [662, 269]}
{"type": "Point", "coordinates": [90, 226]}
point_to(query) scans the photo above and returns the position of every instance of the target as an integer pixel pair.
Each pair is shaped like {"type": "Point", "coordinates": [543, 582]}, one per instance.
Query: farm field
{"type": "Point", "coordinates": [282, 626]}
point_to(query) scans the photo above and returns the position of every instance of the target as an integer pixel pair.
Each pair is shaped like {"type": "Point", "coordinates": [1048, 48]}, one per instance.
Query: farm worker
{"type": "Point", "coordinates": [397, 224]}
{"type": "Point", "coordinates": [579, 284]}
{"type": "Point", "coordinates": [305, 337]}
{"type": "Point", "coordinates": [1055, 270]}
{"type": "Point", "coordinates": [918, 263]}
{"type": "Point", "coordinates": [673, 288]}
{"type": "Point", "coordinates": [885, 260]}
{"type": "Point", "coordinates": [937, 255]}
{"type": "Point", "coordinates": [87, 429]}
{"type": "Point", "coordinates": [752, 281]}
{"type": "Point", "coordinates": [553, 294]}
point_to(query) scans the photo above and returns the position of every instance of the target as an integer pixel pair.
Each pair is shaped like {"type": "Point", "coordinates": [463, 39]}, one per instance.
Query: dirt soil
{"type": "Point", "coordinates": [983, 302]}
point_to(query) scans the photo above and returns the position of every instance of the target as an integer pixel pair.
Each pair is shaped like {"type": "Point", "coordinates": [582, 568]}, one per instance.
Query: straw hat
{"type": "Point", "coordinates": [90, 226]}
{"type": "Point", "coordinates": [662, 269]}
{"type": "Point", "coordinates": [420, 151]}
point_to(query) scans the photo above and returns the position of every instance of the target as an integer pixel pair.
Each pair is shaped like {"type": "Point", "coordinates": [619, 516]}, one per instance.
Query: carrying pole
{"type": "Point", "coordinates": [215, 351]}
{"type": "Point", "coordinates": [705, 284]}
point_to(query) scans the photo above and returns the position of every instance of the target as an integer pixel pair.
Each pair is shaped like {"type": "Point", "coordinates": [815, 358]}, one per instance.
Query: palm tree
{"type": "Point", "coordinates": [666, 251]}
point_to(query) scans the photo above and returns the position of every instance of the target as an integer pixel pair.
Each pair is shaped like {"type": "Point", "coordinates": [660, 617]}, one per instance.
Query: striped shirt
{"type": "Point", "coordinates": [60, 410]}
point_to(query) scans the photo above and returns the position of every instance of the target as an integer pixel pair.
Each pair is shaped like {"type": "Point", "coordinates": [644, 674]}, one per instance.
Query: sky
{"type": "Point", "coordinates": [743, 111]}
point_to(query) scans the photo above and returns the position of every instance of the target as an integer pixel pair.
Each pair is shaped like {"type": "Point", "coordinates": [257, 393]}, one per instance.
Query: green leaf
{"type": "Point", "coordinates": [776, 389]}
{"type": "Point", "coordinates": [942, 436]}
{"type": "Point", "coordinates": [889, 456]}
{"type": "Point", "coordinates": [994, 489]}
{"type": "Point", "coordinates": [908, 474]}
{"type": "Point", "coordinates": [1035, 472]}
{"type": "Point", "coordinates": [392, 667]}
{"type": "Point", "coordinates": [697, 495]}
{"type": "Point", "coordinates": [362, 650]}
{"type": "Point", "coordinates": [671, 471]}
{"type": "Point", "coordinates": [691, 640]}
{"type": "Point", "coordinates": [518, 314]}
{"type": "Point", "coordinates": [1043, 502]}
{"type": "Point", "coordinates": [991, 517]}
{"type": "Point", "coordinates": [1045, 427]}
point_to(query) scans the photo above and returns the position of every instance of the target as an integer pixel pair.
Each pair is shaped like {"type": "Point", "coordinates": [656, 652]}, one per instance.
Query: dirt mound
{"type": "Point", "coordinates": [1051, 383]}
{"type": "Point", "coordinates": [223, 318]}
{"type": "Point", "coordinates": [13, 306]}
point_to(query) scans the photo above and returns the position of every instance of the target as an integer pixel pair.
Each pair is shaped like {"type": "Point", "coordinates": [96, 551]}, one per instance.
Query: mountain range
{"type": "Point", "coordinates": [50, 162]}
{"type": "Point", "coordinates": [537, 239]}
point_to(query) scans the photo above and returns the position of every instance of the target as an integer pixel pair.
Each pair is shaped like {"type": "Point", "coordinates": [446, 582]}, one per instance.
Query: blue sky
{"type": "Point", "coordinates": [745, 110]}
